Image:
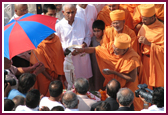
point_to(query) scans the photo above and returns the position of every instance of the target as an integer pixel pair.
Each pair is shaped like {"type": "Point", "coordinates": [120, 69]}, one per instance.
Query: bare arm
{"type": "Point", "coordinates": [21, 70]}
{"type": "Point", "coordinates": [130, 77]}
{"type": "Point", "coordinates": [82, 50]}
{"type": "Point", "coordinates": [37, 68]}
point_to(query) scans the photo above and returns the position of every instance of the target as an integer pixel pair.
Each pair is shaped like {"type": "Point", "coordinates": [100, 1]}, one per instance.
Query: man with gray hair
{"type": "Point", "coordinates": [70, 101]}
{"type": "Point", "coordinates": [81, 88]}
{"type": "Point", "coordinates": [125, 98]}
{"type": "Point", "coordinates": [72, 31]}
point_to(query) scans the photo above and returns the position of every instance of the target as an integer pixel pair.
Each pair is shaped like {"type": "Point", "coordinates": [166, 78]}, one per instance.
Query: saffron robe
{"type": "Point", "coordinates": [104, 15]}
{"type": "Point", "coordinates": [123, 64]}
{"type": "Point", "coordinates": [153, 56]}
{"type": "Point", "coordinates": [159, 9]}
{"type": "Point", "coordinates": [110, 33]}
{"type": "Point", "coordinates": [51, 54]}
{"type": "Point", "coordinates": [129, 7]}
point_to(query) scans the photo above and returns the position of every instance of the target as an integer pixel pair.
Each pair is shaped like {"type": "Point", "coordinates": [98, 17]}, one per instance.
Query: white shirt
{"type": "Point", "coordinates": [99, 7]}
{"type": "Point", "coordinates": [85, 103]}
{"type": "Point", "coordinates": [50, 104]}
{"type": "Point", "coordinates": [89, 14]}
{"type": "Point", "coordinates": [25, 108]}
{"type": "Point", "coordinates": [153, 108]}
{"type": "Point", "coordinates": [67, 109]}
{"type": "Point", "coordinates": [14, 16]}
{"type": "Point", "coordinates": [76, 35]}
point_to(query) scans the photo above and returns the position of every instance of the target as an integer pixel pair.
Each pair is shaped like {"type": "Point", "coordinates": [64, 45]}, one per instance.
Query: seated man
{"type": "Point", "coordinates": [81, 88]}
{"type": "Point", "coordinates": [103, 106]}
{"type": "Point", "coordinates": [55, 90]}
{"type": "Point", "coordinates": [111, 89]}
{"type": "Point", "coordinates": [121, 60]}
{"type": "Point", "coordinates": [57, 108]}
{"type": "Point", "coordinates": [19, 100]}
{"type": "Point", "coordinates": [8, 105]}
{"type": "Point", "coordinates": [32, 101]}
{"type": "Point", "coordinates": [125, 98]}
{"type": "Point", "coordinates": [70, 101]}
{"type": "Point", "coordinates": [26, 83]}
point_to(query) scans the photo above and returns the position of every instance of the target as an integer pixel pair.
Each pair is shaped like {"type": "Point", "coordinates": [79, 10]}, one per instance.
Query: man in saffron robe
{"type": "Point", "coordinates": [151, 40]}
{"type": "Point", "coordinates": [51, 54]}
{"type": "Point", "coordinates": [129, 7]}
{"type": "Point", "coordinates": [104, 15]}
{"type": "Point", "coordinates": [118, 26]}
{"type": "Point", "coordinates": [137, 20]}
{"type": "Point", "coordinates": [119, 61]}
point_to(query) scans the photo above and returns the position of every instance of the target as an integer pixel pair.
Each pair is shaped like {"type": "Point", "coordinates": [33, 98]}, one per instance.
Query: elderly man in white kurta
{"type": "Point", "coordinates": [87, 12]}
{"type": "Point", "coordinates": [73, 31]}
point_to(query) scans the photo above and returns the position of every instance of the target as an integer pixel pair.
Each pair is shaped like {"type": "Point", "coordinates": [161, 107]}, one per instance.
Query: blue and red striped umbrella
{"type": "Point", "coordinates": [26, 32]}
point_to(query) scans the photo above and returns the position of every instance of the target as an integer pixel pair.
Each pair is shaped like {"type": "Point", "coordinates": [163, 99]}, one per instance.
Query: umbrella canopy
{"type": "Point", "coordinates": [26, 32]}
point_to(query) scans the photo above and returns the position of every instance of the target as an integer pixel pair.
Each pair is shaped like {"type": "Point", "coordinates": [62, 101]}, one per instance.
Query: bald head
{"type": "Point", "coordinates": [125, 97]}
{"type": "Point", "coordinates": [21, 9]}
{"type": "Point", "coordinates": [70, 100]}
{"type": "Point", "coordinates": [81, 85]}
{"type": "Point", "coordinates": [112, 88]}
{"type": "Point", "coordinates": [19, 100]}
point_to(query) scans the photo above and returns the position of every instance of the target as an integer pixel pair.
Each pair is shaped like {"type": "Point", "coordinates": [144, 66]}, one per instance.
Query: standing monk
{"type": "Point", "coordinates": [51, 54]}
{"type": "Point", "coordinates": [74, 31]}
{"type": "Point", "coordinates": [151, 39]}
{"type": "Point", "coordinates": [122, 63]}
{"type": "Point", "coordinates": [104, 15]}
{"type": "Point", "coordinates": [118, 26]}
{"type": "Point", "coordinates": [137, 20]}
{"type": "Point", "coordinates": [129, 7]}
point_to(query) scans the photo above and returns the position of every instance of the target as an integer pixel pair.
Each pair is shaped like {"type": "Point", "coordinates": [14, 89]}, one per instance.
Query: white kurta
{"type": "Point", "coordinates": [89, 14]}
{"type": "Point", "coordinates": [76, 35]}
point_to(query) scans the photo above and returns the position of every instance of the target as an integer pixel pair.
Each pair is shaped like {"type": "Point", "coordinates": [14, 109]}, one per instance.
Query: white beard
{"type": "Point", "coordinates": [118, 29]}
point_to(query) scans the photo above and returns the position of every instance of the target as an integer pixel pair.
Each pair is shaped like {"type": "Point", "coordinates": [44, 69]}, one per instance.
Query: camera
{"type": "Point", "coordinates": [12, 81]}
{"type": "Point", "coordinates": [144, 92]}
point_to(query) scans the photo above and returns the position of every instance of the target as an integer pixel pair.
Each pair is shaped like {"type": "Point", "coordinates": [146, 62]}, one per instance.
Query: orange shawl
{"type": "Point", "coordinates": [110, 34]}
{"type": "Point", "coordinates": [154, 34]}
{"type": "Point", "coordinates": [123, 64]}
{"type": "Point", "coordinates": [105, 16]}
{"type": "Point", "coordinates": [129, 7]}
{"type": "Point", "coordinates": [50, 53]}
{"type": "Point", "coordinates": [159, 9]}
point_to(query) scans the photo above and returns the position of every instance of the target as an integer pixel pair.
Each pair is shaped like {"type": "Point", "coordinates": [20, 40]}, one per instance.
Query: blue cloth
{"type": "Point", "coordinates": [15, 92]}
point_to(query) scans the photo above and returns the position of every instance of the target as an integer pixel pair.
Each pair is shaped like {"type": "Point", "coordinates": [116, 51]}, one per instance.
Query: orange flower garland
{"type": "Point", "coordinates": [103, 94]}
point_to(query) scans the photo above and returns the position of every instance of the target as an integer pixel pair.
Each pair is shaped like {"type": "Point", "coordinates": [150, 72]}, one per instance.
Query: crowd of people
{"type": "Point", "coordinates": [112, 47]}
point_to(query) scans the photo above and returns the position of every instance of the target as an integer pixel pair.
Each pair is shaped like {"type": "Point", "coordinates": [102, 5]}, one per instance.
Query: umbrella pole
{"type": "Point", "coordinates": [35, 56]}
